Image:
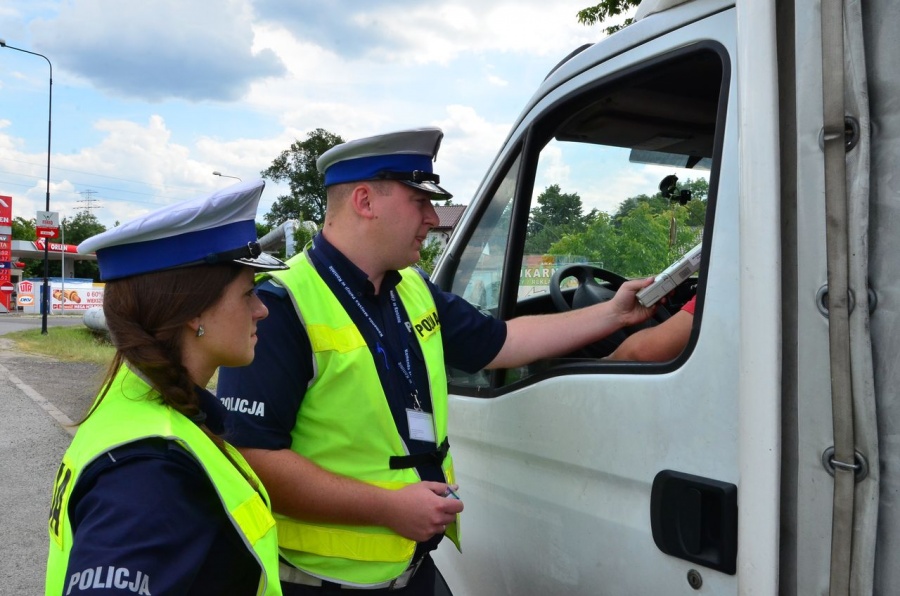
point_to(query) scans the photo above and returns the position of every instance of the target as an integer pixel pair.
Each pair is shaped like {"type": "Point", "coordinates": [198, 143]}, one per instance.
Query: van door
{"type": "Point", "coordinates": [584, 475]}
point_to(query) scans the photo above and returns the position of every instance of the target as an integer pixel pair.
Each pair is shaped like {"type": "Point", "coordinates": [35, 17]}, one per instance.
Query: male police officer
{"type": "Point", "coordinates": [351, 442]}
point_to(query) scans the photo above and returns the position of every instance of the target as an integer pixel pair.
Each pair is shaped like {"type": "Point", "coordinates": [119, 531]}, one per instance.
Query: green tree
{"type": "Point", "coordinates": [556, 214]}
{"type": "Point", "coordinates": [428, 255]}
{"type": "Point", "coordinates": [297, 166]}
{"type": "Point", "coordinates": [23, 229]}
{"type": "Point", "coordinates": [646, 234]}
{"type": "Point", "coordinates": [642, 245]}
{"type": "Point", "coordinates": [262, 229]}
{"type": "Point", "coordinates": [698, 188]}
{"type": "Point", "coordinates": [656, 203]}
{"type": "Point", "coordinates": [605, 10]}
{"type": "Point", "coordinates": [596, 243]}
{"type": "Point", "coordinates": [697, 205]}
{"type": "Point", "coordinates": [303, 235]}
{"type": "Point", "coordinates": [77, 229]}
{"type": "Point", "coordinates": [556, 208]}
{"type": "Point", "coordinates": [81, 227]}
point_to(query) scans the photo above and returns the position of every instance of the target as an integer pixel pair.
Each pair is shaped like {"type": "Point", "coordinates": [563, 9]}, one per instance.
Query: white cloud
{"type": "Point", "coordinates": [158, 50]}
{"type": "Point", "coordinates": [495, 80]}
{"type": "Point", "coordinates": [405, 32]}
{"type": "Point", "coordinates": [469, 145]}
{"type": "Point", "coordinates": [554, 168]}
{"type": "Point", "coordinates": [254, 76]}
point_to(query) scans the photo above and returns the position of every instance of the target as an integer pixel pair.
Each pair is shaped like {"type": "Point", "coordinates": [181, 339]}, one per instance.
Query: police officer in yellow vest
{"type": "Point", "coordinates": [345, 417]}
{"type": "Point", "coordinates": [148, 499]}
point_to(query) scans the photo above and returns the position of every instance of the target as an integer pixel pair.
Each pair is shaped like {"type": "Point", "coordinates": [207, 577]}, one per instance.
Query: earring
{"type": "Point", "coordinates": [200, 331]}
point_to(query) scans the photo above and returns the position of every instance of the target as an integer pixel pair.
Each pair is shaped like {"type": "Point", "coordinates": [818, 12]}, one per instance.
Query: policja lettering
{"type": "Point", "coordinates": [115, 577]}
{"type": "Point", "coordinates": [244, 406]}
{"type": "Point", "coordinates": [428, 324]}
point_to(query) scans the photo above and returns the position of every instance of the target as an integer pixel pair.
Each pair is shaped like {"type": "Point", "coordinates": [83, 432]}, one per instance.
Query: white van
{"type": "Point", "coordinates": [765, 458]}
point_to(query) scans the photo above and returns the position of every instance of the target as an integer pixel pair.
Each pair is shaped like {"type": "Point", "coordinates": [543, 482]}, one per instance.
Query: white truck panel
{"type": "Point", "coordinates": [556, 463]}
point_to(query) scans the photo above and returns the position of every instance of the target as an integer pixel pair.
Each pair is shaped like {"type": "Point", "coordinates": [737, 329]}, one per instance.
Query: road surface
{"type": "Point", "coordinates": [39, 397]}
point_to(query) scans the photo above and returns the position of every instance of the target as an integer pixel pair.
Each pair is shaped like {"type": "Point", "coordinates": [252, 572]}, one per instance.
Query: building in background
{"type": "Point", "coordinates": [448, 217]}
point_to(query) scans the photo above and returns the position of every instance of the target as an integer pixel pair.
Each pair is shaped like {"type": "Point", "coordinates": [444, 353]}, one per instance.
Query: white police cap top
{"type": "Point", "coordinates": [405, 156]}
{"type": "Point", "coordinates": [218, 228]}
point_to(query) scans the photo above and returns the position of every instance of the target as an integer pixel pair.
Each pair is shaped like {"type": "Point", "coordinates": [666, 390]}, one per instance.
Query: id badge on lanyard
{"type": "Point", "coordinates": [421, 423]}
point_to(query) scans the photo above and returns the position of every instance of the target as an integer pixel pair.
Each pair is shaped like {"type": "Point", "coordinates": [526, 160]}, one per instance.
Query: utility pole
{"type": "Point", "coordinates": [88, 200]}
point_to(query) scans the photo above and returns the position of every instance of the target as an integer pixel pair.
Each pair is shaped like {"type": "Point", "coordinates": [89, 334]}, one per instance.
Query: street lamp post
{"type": "Point", "coordinates": [218, 173]}
{"type": "Point", "coordinates": [45, 298]}
{"type": "Point", "coordinates": [62, 269]}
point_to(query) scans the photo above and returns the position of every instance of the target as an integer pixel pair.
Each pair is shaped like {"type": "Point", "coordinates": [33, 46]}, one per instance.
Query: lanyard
{"type": "Point", "coordinates": [404, 367]}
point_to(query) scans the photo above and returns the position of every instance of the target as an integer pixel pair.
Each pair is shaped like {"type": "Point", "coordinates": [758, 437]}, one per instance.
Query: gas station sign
{"type": "Point", "coordinates": [46, 224]}
{"type": "Point", "coordinates": [5, 250]}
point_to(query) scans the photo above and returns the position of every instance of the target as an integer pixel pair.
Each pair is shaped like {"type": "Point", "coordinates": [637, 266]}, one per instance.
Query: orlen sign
{"type": "Point", "coordinates": [5, 211]}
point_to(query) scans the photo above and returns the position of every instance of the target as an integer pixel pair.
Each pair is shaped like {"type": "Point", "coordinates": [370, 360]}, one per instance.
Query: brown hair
{"type": "Point", "coordinates": [337, 194]}
{"type": "Point", "coordinates": [146, 315]}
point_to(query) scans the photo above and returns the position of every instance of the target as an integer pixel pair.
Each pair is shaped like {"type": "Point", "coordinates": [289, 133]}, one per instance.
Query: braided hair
{"type": "Point", "coordinates": [146, 316]}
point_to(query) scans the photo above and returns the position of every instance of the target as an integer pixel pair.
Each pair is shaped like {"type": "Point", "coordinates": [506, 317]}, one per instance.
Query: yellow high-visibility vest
{"type": "Point", "coordinates": [345, 425]}
{"type": "Point", "coordinates": [129, 412]}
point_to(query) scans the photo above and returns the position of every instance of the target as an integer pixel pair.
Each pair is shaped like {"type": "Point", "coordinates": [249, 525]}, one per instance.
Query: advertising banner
{"type": "Point", "coordinates": [26, 296]}
{"type": "Point", "coordinates": [537, 270]}
{"type": "Point", "coordinates": [75, 296]}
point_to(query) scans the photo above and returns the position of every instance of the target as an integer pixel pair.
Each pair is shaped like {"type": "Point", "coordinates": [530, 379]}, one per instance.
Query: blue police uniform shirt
{"type": "Point", "coordinates": [148, 508]}
{"type": "Point", "coordinates": [265, 396]}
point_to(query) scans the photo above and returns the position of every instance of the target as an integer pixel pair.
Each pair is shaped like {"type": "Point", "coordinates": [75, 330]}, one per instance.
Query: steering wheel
{"type": "Point", "coordinates": [588, 293]}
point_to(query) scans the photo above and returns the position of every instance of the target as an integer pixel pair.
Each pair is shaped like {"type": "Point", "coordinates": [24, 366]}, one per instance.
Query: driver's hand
{"type": "Point", "coordinates": [626, 304]}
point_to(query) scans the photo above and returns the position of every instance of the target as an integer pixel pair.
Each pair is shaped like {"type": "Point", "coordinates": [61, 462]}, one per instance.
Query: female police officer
{"type": "Point", "coordinates": [148, 499]}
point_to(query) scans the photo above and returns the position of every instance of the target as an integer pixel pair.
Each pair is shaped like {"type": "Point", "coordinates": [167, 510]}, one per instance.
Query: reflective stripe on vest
{"type": "Point", "coordinates": [345, 425]}
{"type": "Point", "coordinates": [129, 412]}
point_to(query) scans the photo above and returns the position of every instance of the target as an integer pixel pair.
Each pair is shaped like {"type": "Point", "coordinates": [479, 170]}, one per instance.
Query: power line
{"type": "Point", "coordinates": [58, 192]}
{"type": "Point", "coordinates": [163, 194]}
{"type": "Point", "coordinates": [59, 169]}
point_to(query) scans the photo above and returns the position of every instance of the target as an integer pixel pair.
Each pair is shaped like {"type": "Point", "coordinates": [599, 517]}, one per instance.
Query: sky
{"type": "Point", "coordinates": [149, 98]}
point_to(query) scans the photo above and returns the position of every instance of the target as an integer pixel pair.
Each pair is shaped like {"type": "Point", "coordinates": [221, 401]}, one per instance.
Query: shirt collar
{"type": "Point", "coordinates": [213, 409]}
{"type": "Point", "coordinates": [326, 254]}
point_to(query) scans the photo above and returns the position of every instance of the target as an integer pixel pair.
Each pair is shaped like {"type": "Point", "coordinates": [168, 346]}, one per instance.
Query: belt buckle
{"type": "Point", "coordinates": [293, 575]}
{"type": "Point", "coordinates": [403, 580]}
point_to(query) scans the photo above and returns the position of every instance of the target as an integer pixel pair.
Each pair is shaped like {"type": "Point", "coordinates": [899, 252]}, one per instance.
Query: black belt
{"type": "Point", "coordinates": [402, 462]}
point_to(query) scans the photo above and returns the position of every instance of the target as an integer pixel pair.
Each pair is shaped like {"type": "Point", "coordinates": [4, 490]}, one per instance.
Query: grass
{"type": "Point", "coordinates": [72, 344]}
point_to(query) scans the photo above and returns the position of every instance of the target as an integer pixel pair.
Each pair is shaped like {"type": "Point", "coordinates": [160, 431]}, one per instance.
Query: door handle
{"type": "Point", "coordinates": [695, 519]}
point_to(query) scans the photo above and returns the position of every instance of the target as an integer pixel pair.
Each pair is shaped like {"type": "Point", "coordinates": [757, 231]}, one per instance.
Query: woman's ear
{"type": "Point", "coordinates": [194, 325]}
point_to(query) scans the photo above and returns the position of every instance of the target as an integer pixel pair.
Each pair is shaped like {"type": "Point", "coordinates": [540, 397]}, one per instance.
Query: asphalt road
{"type": "Point", "coordinates": [10, 322]}
{"type": "Point", "coordinates": [39, 397]}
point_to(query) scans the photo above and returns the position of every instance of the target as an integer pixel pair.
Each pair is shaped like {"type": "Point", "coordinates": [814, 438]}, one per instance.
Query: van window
{"type": "Point", "coordinates": [615, 181]}
{"type": "Point", "coordinates": [485, 253]}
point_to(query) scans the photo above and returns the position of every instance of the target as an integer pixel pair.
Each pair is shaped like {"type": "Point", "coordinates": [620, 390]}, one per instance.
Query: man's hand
{"type": "Point", "coordinates": [545, 336]}
{"type": "Point", "coordinates": [419, 511]}
{"type": "Point", "coordinates": [626, 305]}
